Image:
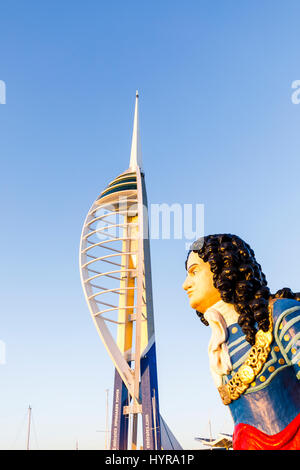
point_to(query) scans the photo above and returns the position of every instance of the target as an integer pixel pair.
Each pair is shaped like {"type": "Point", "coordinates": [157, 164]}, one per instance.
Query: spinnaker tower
{"type": "Point", "coordinates": [115, 269]}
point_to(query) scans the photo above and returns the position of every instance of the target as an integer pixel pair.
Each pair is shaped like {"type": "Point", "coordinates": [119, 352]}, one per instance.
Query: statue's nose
{"type": "Point", "coordinates": [185, 285]}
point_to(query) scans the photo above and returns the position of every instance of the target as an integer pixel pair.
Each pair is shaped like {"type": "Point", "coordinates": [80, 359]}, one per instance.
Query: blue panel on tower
{"type": "Point", "coordinates": [150, 401]}
{"type": "Point", "coordinates": [119, 426]}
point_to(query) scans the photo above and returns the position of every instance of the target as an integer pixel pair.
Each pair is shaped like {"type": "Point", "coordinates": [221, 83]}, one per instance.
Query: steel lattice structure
{"type": "Point", "coordinates": [115, 269]}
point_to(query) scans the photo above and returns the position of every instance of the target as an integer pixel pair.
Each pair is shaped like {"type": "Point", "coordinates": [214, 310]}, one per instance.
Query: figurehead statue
{"type": "Point", "coordinates": [254, 350]}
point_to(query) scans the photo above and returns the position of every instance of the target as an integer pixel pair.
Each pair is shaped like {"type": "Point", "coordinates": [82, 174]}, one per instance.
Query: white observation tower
{"type": "Point", "coordinates": [115, 269]}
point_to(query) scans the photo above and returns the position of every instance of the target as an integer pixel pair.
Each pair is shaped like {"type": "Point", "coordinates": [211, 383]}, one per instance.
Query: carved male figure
{"type": "Point", "coordinates": [254, 350]}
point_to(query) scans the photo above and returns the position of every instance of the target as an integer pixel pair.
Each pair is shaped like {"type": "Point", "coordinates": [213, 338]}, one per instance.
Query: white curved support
{"type": "Point", "coordinates": [127, 249]}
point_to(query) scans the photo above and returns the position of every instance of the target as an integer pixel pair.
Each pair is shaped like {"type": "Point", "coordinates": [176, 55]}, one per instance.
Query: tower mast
{"type": "Point", "coordinates": [136, 152]}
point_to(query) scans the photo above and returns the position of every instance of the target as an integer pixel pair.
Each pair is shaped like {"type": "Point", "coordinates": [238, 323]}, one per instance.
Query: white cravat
{"type": "Point", "coordinates": [219, 316]}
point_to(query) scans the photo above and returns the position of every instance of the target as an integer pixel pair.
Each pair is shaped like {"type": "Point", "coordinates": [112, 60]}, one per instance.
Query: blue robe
{"type": "Point", "coordinates": [272, 401]}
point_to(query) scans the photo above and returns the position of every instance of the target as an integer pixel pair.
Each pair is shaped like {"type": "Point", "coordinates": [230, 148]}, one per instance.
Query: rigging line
{"type": "Point", "coordinates": [107, 247]}
{"type": "Point", "coordinates": [106, 234]}
{"type": "Point", "coordinates": [95, 219]}
{"type": "Point", "coordinates": [102, 229]}
{"type": "Point", "coordinates": [107, 272]}
{"type": "Point", "coordinates": [104, 274]}
{"type": "Point", "coordinates": [105, 303]}
{"type": "Point", "coordinates": [102, 244]}
{"type": "Point", "coordinates": [90, 256]}
{"type": "Point", "coordinates": [112, 262]}
{"type": "Point", "coordinates": [34, 431]}
{"type": "Point", "coordinates": [20, 428]}
{"type": "Point", "coordinates": [113, 309]}
{"type": "Point", "coordinates": [132, 199]}
{"type": "Point", "coordinates": [119, 253]}
{"type": "Point", "coordinates": [98, 287]}
{"type": "Point", "coordinates": [116, 290]}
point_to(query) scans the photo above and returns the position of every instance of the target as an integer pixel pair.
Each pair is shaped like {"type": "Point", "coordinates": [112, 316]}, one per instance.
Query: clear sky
{"type": "Point", "coordinates": [218, 127]}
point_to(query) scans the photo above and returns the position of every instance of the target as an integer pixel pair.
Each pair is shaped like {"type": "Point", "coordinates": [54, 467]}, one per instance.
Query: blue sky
{"type": "Point", "coordinates": [218, 127]}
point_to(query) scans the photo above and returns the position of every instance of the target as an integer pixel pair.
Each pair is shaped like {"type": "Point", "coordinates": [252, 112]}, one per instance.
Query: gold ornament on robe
{"type": "Point", "coordinates": [248, 371]}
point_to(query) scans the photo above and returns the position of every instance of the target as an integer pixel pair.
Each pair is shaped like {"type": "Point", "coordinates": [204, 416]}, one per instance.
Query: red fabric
{"type": "Point", "coordinates": [246, 437]}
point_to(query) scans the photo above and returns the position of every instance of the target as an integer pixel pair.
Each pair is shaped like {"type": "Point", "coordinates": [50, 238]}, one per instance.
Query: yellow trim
{"type": "Point", "coordinates": [121, 177]}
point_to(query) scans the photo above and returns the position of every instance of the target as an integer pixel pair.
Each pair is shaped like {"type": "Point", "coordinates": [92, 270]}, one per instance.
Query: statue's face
{"type": "Point", "coordinates": [199, 284]}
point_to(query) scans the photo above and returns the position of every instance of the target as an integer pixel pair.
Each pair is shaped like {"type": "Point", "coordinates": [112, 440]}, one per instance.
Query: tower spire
{"type": "Point", "coordinates": [136, 153]}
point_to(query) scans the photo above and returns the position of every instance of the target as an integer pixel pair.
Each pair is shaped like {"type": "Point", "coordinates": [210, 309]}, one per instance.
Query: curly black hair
{"type": "Point", "coordinates": [239, 279]}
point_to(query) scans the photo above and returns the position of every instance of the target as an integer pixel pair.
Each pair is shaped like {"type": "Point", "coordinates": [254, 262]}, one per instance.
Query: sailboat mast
{"type": "Point", "coordinates": [29, 426]}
